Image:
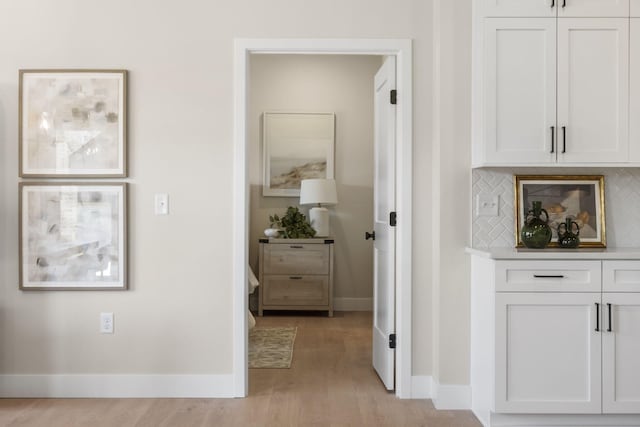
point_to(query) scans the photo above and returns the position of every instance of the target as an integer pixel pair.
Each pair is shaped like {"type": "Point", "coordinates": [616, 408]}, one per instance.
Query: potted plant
{"type": "Point", "coordinates": [293, 224]}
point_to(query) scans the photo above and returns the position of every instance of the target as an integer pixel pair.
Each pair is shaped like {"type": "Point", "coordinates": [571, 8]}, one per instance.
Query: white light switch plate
{"type": "Point", "coordinates": [487, 205]}
{"type": "Point", "coordinates": [161, 205]}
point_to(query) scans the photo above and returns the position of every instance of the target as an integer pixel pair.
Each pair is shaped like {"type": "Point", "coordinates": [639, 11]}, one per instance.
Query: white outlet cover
{"type": "Point", "coordinates": [487, 205]}
{"type": "Point", "coordinates": [106, 323]}
{"type": "Point", "coordinates": [161, 204]}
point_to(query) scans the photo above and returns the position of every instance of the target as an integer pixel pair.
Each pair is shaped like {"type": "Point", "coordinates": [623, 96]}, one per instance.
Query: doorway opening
{"type": "Point", "coordinates": [401, 51]}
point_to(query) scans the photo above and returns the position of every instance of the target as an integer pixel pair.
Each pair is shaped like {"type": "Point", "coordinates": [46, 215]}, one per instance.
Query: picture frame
{"type": "Point", "coordinates": [296, 146]}
{"type": "Point", "coordinates": [578, 196]}
{"type": "Point", "coordinates": [72, 123]}
{"type": "Point", "coordinates": [72, 236]}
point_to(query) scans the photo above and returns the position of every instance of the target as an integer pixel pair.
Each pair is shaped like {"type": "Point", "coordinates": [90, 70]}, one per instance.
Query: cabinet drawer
{"type": "Point", "coordinates": [621, 276]}
{"type": "Point", "coordinates": [296, 259]}
{"type": "Point", "coordinates": [295, 290]}
{"type": "Point", "coordinates": [548, 276]}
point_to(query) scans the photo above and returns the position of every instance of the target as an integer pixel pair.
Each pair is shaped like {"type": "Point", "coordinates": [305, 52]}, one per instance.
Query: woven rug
{"type": "Point", "coordinates": [271, 347]}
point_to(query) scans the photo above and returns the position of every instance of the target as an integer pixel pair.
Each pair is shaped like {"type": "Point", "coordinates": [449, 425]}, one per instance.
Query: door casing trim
{"type": "Point", "coordinates": [402, 50]}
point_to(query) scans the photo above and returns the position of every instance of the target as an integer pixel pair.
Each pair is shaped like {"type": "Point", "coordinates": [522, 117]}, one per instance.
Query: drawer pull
{"type": "Point", "coordinates": [609, 308]}
{"type": "Point", "coordinates": [295, 277]}
{"type": "Point", "coordinates": [549, 276]}
{"type": "Point", "coordinates": [597, 317]}
{"type": "Point", "coordinates": [296, 247]}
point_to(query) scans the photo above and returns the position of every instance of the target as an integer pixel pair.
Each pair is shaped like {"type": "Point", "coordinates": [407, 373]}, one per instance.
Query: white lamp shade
{"type": "Point", "coordinates": [318, 192]}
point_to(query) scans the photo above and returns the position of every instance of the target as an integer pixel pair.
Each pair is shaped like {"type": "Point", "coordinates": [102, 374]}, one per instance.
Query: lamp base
{"type": "Point", "coordinates": [319, 218]}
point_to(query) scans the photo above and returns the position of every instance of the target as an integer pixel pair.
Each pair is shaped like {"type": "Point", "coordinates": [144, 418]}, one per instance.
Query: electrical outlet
{"type": "Point", "coordinates": [106, 323]}
{"type": "Point", "coordinates": [487, 205]}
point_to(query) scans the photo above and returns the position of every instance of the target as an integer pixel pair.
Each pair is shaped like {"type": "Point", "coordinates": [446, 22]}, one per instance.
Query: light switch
{"type": "Point", "coordinates": [162, 204]}
{"type": "Point", "coordinates": [487, 205]}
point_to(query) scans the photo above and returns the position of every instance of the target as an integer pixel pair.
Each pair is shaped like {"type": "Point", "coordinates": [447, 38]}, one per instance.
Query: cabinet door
{"type": "Point", "coordinates": [635, 8]}
{"type": "Point", "coordinates": [593, 8]}
{"type": "Point", "coordinates": [520, 8]}
{"type": "Point", "coordinates": [621, 354]}
{"type": "Point", "coordinates": [547, 353]}
{"type": "Point", "coordinates": [634, 87]}
{"type": "Point", "coordinates": [593, 90]}
{"type": "Point", "coordinates": [519, 90]}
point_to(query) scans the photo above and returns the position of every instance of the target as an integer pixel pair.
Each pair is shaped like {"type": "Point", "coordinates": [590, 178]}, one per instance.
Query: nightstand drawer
{"type": "Point", "coordinates": [295, 290]}
{"type": "Point", "coordinates": [296, 258]}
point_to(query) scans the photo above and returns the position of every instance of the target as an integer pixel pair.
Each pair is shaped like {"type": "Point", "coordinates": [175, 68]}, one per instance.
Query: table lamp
{"type": "Point", "coordinates": [319, 192]}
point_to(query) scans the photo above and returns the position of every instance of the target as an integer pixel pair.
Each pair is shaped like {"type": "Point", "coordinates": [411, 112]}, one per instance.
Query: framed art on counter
{"type": "Point", "coordinates": [579, 197]}
{"type": "Point", "coordinates": [72, 236]}
{"type": "Point", "coordinates": [72, 123]}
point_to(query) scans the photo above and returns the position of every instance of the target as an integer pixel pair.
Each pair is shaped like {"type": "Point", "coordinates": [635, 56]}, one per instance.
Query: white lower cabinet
{"type": "Point", "coordinates": [621, 353]}
{"type": "Point", "coordinates": [555, 338]}
{"type": "Point", "coordinates": [548, 353]}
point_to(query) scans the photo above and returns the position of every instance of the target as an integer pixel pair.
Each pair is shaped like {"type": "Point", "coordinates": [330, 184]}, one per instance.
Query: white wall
{"type": "Point", "coordinates": [176, 318]}
{"type": "Point", "coordinates": [342, 85]}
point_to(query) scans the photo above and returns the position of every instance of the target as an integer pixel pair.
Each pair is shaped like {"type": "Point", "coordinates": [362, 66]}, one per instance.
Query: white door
{"type": "Point", "coordinates": [384, 204]}
{"type": "Point", "coordinates": [521, 8]}
{"type": "Point", "coordinates": [548, 356]}
{"type": "Point", "coordinates": [593, 90]}
{"type": "Point", "coordinates": [621, 353]}
{"type": "Point", "coordinates": [520, 91]}
{"type": "Point", "coordinates": [593, 8]}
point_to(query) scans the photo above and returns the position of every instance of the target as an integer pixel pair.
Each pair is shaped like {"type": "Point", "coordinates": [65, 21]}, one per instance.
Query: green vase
{"type": "Point", "coordinates": [567, 238]}
{"type": "Point", "coordinates": [536, 233]}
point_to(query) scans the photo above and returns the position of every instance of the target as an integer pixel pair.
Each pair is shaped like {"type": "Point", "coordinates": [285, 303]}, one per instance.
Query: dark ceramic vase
{"type": "Point", "coordinates": [567, 238]}
{"type": "Point", "coordinates": [536, 233]}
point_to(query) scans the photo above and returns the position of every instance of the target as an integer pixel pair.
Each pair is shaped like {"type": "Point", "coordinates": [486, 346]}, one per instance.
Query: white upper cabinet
{"type": "Point", "coordinates": [520, 90]}
{"type": "Point", "coordinates": [634, 89]}
{"type": "Point", "coordinates": [593, 90]}
{"type": "Point", "coordinates": [593, 8]}
{"type": "Point", "coordinates": [635, 8]}
{"type": "Point", "coordinates": [561, 8]}
{"type": "Point", "coordinates": [520, 8]}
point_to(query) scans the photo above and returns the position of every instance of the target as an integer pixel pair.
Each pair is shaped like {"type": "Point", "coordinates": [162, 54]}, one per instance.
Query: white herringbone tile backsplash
{"type": "Point", "coordinates": [622, 204]}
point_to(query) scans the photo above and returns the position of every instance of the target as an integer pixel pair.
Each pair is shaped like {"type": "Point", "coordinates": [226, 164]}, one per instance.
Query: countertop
{"type": "Point", "coordinates": [555, 253]}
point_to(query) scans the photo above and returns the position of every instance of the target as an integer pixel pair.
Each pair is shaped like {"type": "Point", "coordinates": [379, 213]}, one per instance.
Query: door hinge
{"type": "Point", "coordinates": [392, 341]}
{"type": "Point", "coordinates": [393, 97]}
{"type": "Point", "coordinates": [392, 219]}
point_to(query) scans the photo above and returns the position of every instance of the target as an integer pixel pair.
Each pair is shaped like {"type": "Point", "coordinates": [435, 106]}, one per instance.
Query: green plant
{"type": "Point", "coordinates": [293, 224]}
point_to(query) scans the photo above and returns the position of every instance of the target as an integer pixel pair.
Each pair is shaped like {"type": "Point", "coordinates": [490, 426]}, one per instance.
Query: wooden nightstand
{"type": "Point", "coordinates": [296, 274]}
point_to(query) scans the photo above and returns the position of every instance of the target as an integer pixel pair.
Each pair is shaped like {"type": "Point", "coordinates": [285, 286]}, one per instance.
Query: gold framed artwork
{"type": "Point", "coordinates": [73, 123]}
{"type": "Point", "coordinates": [579, 197]}
{"type": "Point", "coordinates": [73, 235]}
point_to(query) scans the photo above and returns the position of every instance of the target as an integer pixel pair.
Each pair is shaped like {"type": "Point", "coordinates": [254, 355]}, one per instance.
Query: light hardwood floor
{"type": "Point", "coordinates": [330, 383]}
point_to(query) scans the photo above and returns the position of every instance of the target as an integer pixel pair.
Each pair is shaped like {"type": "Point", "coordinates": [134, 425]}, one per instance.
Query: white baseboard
{"type": "Point", "coordinates": [353, 304]}
{"type": "Point", "coordinates": [421, 387]}
{"type": "Point", "coordinates": [447, 396]}
{"type": "Point", "coordinates": [158, 386]}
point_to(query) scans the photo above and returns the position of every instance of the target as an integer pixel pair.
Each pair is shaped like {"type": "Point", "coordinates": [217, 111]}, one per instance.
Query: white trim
{"type": "Point", "coordinates": [353, 304]}
{"type": "Point", "coordinates": [421, 387]}
{"type": "Point", "coordinates": [590, 420]}
{"type": "Point", "coordinates": [116, 386]}
{"type": "Point", "coordinates": [402, 49]}
{"type": "Point", "coordinates": [448, 396]}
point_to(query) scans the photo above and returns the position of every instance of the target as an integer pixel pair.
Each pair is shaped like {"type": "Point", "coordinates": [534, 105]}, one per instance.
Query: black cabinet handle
{"type": "Point", "coordinates": [553, 3]}
{"type": "Point", "coordinates": [597, 317]}
{"type": "Point", "coordinates": [564, 139]}
{"type": "Point", "coordinates": [371, 235]}
{"type": "Point", "coordinates": [549, 276]}
{"type": "Point", "coordinates": [609, 308]}
{"type": "Point", "coordinates": [564, 3]}
{"type": "Point", "coordinates": [296, 247]}
{"type": "Point", "coordinates": [553, 136]}
{"type": "Point", "coordinates": [295, 277]}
